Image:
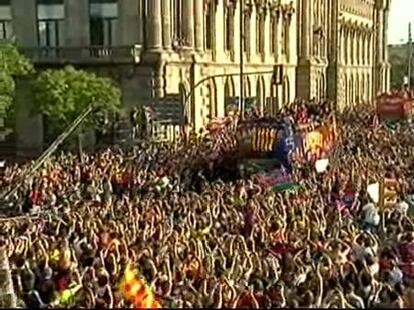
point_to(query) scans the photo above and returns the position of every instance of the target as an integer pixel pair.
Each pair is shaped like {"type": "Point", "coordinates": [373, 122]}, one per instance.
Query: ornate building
{"type": "Point", "coordinates": [342, 49]}
{"type": "Point", "coordinates": [163, 48]}
{"type": "Point", "coordinates": [207, 43]}
{"type": "Point", "coordinates": [159, 50]}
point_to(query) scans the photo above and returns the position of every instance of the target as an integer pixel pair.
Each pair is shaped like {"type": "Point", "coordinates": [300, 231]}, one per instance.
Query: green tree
{"type": "Point", "coordinates": [398, 57]}
{"type": "Point", "coordinates": [12, 64]}
{"type": "Point", "coordinates": [61, 95]}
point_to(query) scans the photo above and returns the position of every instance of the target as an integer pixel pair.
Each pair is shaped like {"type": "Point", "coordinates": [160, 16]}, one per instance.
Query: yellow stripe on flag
{"type": "Point", "coordinates": [136, 291]}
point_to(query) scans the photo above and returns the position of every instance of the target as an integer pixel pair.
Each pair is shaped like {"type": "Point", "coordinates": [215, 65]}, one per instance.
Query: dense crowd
{"type": "Point", "coordinates": [204, 242]}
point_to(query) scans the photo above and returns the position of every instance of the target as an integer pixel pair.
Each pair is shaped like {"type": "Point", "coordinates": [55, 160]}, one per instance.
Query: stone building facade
{"type": "Point", "coordinates": [173, 43]}
{"type": "Point", "coordinates": [342, 52]}
{"type": "Point", "coordinates": [158, 50]}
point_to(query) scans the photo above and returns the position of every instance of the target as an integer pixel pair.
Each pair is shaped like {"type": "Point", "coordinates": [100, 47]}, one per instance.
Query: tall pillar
{"type": "Point", "coordinates": [77, 23]}
{"type": "Point", "coordinates": [199, 27]}
{"type": "Point", "coordinates": [24, 22]}
{"type": "Point", "coordinates": [153, 25]}
{"type": "Point", "coordinates": [128, 22]}
{"type": "Point", "coordinates": [188, 22]}
{"type": "Point", "coordinates": [166, 24]}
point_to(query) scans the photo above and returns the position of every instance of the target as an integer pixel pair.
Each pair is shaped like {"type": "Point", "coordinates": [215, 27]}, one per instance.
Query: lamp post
{"type": "Point", "coordinates": [410, 55]}
{"type": "Point", "coordinates": [241, 47]}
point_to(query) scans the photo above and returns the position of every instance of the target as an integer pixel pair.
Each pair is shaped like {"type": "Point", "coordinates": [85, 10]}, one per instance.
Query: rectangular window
{"type": "Point", "coordinates": [5, 20]}
{"type": "Point", "coordinates": [258, 33]}
{"type": "Point", "coordinates": [283, 39]}
{"type": "Point", "coordinates": [261, 30]}
{"type": "Point", "coordinates": [50, 32]}
{"type": "Point", "coordinates": [246, 45]}
{"type": "Point", "coordinates": [50, 23]}
{"type": "Point", "coordinates": [286, 40]}
{"type": "Point", "coordinates": [103, 22]}
{"type": "Point", "coordinates": [176, 21]}
{"type": "Point", "coordinates": [209, 38]}
{"type": "Point", "coordinates": [227, 33]}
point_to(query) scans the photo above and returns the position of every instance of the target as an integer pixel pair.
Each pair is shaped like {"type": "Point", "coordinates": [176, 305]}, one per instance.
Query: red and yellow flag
{"type": "Point", "coordinates": [137, 292]}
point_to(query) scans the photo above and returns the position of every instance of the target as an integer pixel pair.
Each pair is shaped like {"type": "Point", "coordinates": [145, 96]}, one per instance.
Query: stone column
{"type": "Point", "coordinates": [77, 23]}
{"type": "Point", "coordinates": [153, 25]}
{"type": "Point", "coordinates": [166, 24]}
{"type": "Point", "coordinates": [128, 22]}
{"type": "Point", "coordinates": [199, 25]}
{"type": "Point", "coordinates": [188, 22]}
{"type": "Point", "coordinates": [25, 22]}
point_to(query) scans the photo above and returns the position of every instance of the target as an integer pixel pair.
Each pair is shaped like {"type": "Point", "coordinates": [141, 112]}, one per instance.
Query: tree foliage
{"type": "Point", "coordinates": [63, 94]}
{"type": "Point", "coordinates": [398, 57]}
{"type": "Point", "coordinates": [12, 64]}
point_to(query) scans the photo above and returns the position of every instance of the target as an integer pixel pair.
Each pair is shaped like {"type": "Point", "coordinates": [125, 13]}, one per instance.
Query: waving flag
{"type": "Point", "coordinates": [137, 292]}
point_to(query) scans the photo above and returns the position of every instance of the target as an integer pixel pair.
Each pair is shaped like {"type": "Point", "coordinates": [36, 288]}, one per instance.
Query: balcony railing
{"type": "Point", "coordinates": [84, 54]}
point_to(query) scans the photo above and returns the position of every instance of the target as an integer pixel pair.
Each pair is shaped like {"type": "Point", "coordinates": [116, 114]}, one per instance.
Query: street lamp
{"type": "Point", "coordinates": [241, 47]}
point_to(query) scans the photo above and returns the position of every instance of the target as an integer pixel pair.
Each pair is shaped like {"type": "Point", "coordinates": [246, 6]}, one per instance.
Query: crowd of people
{"type": "Point", "coordinates": [204, 241]}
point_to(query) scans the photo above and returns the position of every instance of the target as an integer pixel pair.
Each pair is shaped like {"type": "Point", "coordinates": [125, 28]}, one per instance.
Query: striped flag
{"type": "Point", "coordinates": [137, 292]}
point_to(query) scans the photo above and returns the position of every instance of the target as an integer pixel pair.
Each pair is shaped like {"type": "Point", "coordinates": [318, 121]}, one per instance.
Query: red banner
{"type": "Point", "coordinates": [395, 105]}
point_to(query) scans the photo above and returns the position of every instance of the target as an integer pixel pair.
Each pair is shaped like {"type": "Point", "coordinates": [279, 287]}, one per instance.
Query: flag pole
{"type": "Point", "coordinates": [241, 47]}
{"type": "Point", "coordinates": [410, 54]}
